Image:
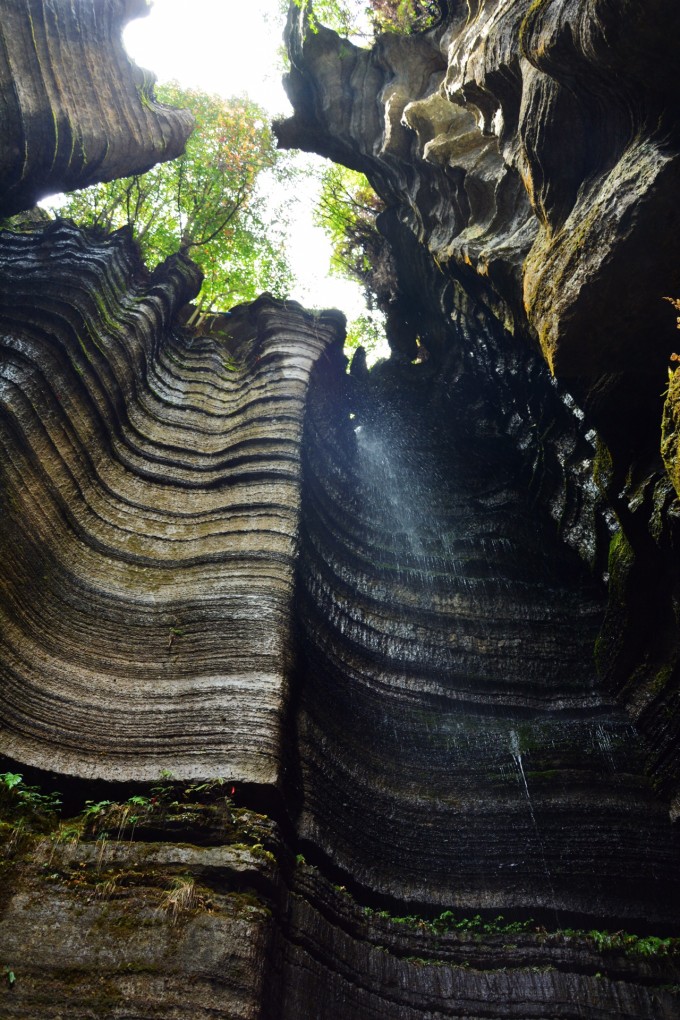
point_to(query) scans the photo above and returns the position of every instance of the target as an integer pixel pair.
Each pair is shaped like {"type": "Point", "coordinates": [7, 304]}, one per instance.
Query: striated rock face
{"type": "Point", "coordinates": [75, 109]}
{"type": "Point", "coordinates": [358, 964]}
{"type": "Point", "coordinates": [528, 158]}
{"type": "Point", "coordinates": [394, 609]}
{"type": "Point", "coordinates": [112, 940]}
{"type": "Point", "coordinates": [416, 683]}
{"type": "Point", "coordinates": [456, 747]}
{"type": "Point", "coordinates": [150, 486]}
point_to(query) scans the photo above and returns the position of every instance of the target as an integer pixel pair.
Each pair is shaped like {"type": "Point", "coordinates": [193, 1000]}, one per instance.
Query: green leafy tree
{"type": "Point", "coordinates": [212, 203]}
{"type": "Point", "coordinates": [405, 15]}
{"type": "Point", "coordinates": [347, 211]}
{"type": "Point", "coordinates": [371, 17]}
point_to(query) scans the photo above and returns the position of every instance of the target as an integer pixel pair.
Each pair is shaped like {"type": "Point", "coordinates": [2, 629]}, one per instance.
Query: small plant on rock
{"type": "Point", "coordinates": [183, 898]}
{"type": "Point", "coordinates": [27, 805]}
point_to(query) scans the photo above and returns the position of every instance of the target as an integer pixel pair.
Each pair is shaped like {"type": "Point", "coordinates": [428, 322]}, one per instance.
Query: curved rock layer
{"type": "Point", "coordinates": [456, 747]}
{"type": "Point", "coordinates": [75, 109]}
{"type": "Point", "coordinates": [342, 961]}
{"type": "Point", "coordinates": [150, 486]}
{"type": "Point", "coordinates": [528, 155]}
{"type": "Point", "coordinates": [533, 148]}
{"type": "Point", "coordinates": [184, 573]}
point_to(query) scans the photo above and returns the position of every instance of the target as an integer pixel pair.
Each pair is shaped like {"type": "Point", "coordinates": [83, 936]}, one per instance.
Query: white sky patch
{"type": "Point", "coordinates": [225, 46]}
{"type": "Point", "coordinates": [234, 47]}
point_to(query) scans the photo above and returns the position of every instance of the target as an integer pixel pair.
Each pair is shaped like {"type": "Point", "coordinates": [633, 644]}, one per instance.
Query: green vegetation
{"type": "Point", "coordinates": [478, 928]}
{"type": "Point", "coordinates": [447, 922]}
{"type": "Point", "coordinates": [210, 203]}
{"type": "Point", "coordinates": [347, 211]}
{"type": "Point", "coordinates": [27, 805]}
{"type": "Point", "coordinates": [373, 17]}
{"type": "Point", "coordinates": [199, 807]}
{"type": "Point", "coordinates": [619, 941]}
{"type": "Point", "coordinates": [405, 15]}
{"type": "Point", "coordinates": [637, 945]}
{"type": "Point", "coordinates": [132, 889]}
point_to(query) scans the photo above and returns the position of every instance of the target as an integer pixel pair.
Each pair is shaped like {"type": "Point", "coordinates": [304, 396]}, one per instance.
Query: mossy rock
{"type": "Point", "coordinates": [670, 431]}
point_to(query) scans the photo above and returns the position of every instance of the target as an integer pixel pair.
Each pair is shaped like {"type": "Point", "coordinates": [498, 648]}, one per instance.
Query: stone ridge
{"type": "Point", "coordinates": [150, 491]}
{"type": "Point", "coordinates": [340, 960]}
{"type": "Point", "coordinates": [456, 747]}
{"type": "Point", "coordinates": [528, 156]}
{"type": "Point", "coordinates": [83, 112]}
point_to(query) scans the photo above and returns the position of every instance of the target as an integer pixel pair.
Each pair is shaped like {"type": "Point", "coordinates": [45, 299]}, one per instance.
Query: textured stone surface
{"type": "Point", "coordinates": [527, 155]}
{"type": "Point", "coordinates": [530, 144]}
{"type": "Point", "coordinates": [456, 747]}
{"type": "Point", "coordinates": [115, 941]}
{"type": "Point", "coordinates": [150, 488]}
{"type": "Point", "coordinates": [383, 628]}
{"type": "Point", "coordinates": [352, 963]}
{"type": "Point", "coordinates": [75, 109]}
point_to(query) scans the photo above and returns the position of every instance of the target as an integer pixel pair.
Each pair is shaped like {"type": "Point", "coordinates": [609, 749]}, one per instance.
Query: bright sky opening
{"type": "Point", "coordinates": [231, 47]}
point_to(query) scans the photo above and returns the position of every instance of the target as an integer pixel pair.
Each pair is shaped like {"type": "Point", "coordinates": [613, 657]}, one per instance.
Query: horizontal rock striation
{"type": "Point", "coordinates": [527, 154]}
{"type": "Point", "coordinates": [127, 927]}
{"type": "Point", "coordinates": [456, 748]}
{"type": "Point", "coordinates": [150, 491]}
{"type": "Point", "coordinates": [372, 602]}
{"type": "Point", "coordinates": [355, 962]}
{"type": "Point", "coordinates": [75, 109]}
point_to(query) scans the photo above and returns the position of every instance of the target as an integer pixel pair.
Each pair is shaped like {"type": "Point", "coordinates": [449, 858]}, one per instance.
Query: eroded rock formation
{"type": "Point", "coordinates": [528, 158]}
{"type": "Point", "coordinates": [390, 615]}
{"type": "Point", "coordinates": [75, 109]}
{"type": "Point", "coordinates": [447, 631]}
{"type": "Point", "coordinates": [160, 471]}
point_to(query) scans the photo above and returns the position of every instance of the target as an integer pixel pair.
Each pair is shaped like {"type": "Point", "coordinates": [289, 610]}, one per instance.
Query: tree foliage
{"type": "Point", "coordinates": [347, 210]}
{"type": "Point", "coordinates": [210, 203]}
{"type": "Point", "coordinates": [371, 17]}
{"type": "Point", "coordinates": [405, 15]}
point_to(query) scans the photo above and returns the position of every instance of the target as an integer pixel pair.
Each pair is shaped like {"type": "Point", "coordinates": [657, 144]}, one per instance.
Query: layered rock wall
{"type": "Point", "coordinates": [528, 158]}
{"type": "Point", "coordinates": [75, 109]}
{"type": "Point", "coordinates": [151, 489]}
{"type": "Point", "coordinates": [325, 666]}
{"type": "Point", "coordinates": [456, 747]}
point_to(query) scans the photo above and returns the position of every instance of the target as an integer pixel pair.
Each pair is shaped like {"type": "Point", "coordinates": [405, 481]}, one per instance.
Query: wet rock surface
{"type": "Point", "coordinates": [527, 155]}
{"type": "Point", "coordinates": [406, 619]}
{"type": "Point", "coordinates": [456, 746]}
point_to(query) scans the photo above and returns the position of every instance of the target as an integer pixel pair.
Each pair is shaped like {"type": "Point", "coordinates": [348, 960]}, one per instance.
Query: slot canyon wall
{"type": "Point", "coordinates": [418, 623]}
